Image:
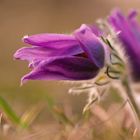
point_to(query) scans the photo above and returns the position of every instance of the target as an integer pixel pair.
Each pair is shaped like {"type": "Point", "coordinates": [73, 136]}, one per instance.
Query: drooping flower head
{"type": "Point", "coordinates": [78, 56]}
{"type": "Point", "coordinates": [129, 35]}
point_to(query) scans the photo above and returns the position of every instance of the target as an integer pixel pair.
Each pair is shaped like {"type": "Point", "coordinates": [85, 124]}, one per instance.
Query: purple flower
{"type": "Point", "coordinates": [129, 36]}
{"type": "Point", "coordinates": [78, 56]}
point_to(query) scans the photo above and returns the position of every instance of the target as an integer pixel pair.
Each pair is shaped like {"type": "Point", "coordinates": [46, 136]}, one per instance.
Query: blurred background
{"type": "Point", "coordinates": [27, 17]}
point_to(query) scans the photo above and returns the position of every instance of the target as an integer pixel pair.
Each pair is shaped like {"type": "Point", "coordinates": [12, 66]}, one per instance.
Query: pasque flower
{"type": "Point", "coordinates": [78, 56]}
{"type": "Point", "coordinates": [129, 35]}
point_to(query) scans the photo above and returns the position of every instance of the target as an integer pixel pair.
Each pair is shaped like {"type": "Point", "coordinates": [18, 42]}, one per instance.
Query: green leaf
{"type": "Point", "coordinates": [5, 107]}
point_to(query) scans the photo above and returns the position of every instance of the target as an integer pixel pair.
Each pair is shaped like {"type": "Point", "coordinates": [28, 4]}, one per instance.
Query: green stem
{"type": "Point", "coordinates": [129, 93]}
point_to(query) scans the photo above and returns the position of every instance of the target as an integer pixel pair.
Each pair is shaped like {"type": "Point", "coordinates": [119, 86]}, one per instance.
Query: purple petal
{"type": "Point", "coordinates": [120, 23]}
{"type": "Point", "coordinates": [97, 31]}
{"type": "Point", "coordinates": [132, 14]}
{"type": "Point", "coordinates": [42, 53]}
{"type": "Point", "coordinates": [91, 45]}
{"type": "Point", "coordinates": [51, 40]}
{"type": "Point", "coordinates": [134, 25]}
{"type": "Point", "coordinates": [63, 68]}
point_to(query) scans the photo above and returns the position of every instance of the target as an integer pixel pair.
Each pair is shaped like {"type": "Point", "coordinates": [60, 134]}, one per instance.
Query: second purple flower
{"type": "Point", "coordinates": [129, 36]}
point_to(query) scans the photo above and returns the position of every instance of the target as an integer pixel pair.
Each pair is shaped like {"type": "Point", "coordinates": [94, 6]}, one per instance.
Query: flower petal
{"type": "Point", "coordinates": [91, 45]}
{"type": "Point", "coordinates": [41, 53]}
{"type": "Point", "coordinates": [96, 30]}
{"type": "Point", "coordinates": [63, 68]}
{"type": "Point", "coordinates": [132, 14]}
{"type": "Point", "coordinates": [51, 40]}
{"type": "Point", "coordinates": [120, 23]}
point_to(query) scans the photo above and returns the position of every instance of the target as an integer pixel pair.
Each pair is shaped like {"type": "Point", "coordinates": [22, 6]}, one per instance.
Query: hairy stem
{"type": "Point", "coordinates": [131, 99]}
